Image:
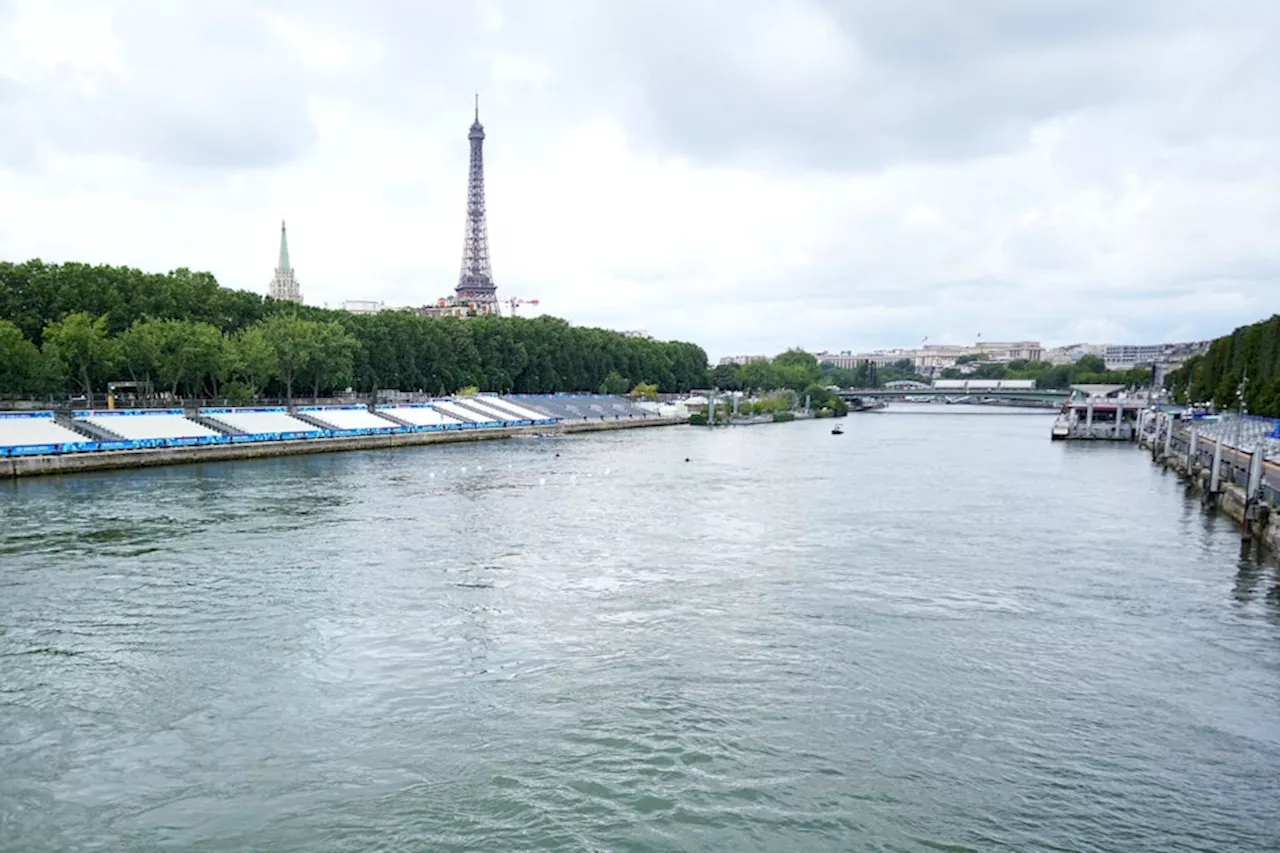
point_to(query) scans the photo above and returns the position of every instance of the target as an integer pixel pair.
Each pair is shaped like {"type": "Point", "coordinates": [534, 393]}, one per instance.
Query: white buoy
{"type": "Point", "coordinates": [542, 481]}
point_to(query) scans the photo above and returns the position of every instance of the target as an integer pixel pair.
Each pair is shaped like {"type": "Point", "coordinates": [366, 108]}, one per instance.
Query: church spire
{"type": "Point", "coordinates": [284, 286]}
{"type": "Point", "coordinates": [284, 248]}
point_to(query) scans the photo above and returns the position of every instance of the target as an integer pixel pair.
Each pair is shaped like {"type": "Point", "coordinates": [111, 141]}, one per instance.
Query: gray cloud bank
{"type": "Point", "coordinates": [750, 175]}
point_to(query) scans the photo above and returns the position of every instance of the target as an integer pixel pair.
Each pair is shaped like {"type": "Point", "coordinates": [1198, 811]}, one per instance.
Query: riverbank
{"type": "Point", "coordinates": [34, 466]}
{"type": "Point", "coordinates": [1171, 446]}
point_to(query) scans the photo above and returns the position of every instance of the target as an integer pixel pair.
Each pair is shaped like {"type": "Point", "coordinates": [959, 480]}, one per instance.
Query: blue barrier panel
{"type": "Point", "coordinates": [124, 413]}
{"type": "Point", "coordinates": [17, 415]}
{"type": "Point", "coordinates": [33, 450]}
{"type": "Point", "coordinates": [227, 410]}
{"type": "Point", "coordinates": [80, 446]}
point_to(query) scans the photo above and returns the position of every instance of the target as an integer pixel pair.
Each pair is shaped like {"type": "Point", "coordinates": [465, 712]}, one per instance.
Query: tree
{"type": "Point", "coordinates": [330, 358]}
{"type": "Point", "coordinates": [614, 383]}
{"type": "Point", "coordinates": [250, 359]}
{"type": "Point", "coordinates": [79, 343]}
{"type": "Point", "coordinates": [645, 391]}
{"type": "Point", "coordinates": [175, 352]}
{"type": "Point", "coordinates": [292, 343]}
{"type": "Point", "coordinates": [21, 367]}
{"type": "Point", "coordinates": [726, 376]}
{"type": "Point", "coordinates": [396, 349]}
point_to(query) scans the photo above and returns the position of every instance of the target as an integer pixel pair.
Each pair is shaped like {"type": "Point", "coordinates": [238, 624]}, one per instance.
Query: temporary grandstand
{"type": "Point", "coordinates": [268, 423]}
{"type": "Point", "coordinates": [582, 407]}
{"type": "Point", "coordinates": [418, 414]}
{"type": "Point", "coordinates": [145, 424]}
{"type": "Point", "coordinates": [348, 418]}
{"type": "Point", "coordinates": [28, 433]}
{"type": "Point", "coordinates": [465, 415]}
{"type": "Point", "coordinates": [45, 433]}
{"type": "Point", "coordinates": [519, 412]}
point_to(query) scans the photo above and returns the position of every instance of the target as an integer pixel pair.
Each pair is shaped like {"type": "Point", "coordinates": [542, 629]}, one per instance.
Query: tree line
{"type": "Point", "coordinates": [1216, 375]}
{"type": "Point", "coordinates": [796, 369]}
{"type": "Point", "coordinates": [77, 327]}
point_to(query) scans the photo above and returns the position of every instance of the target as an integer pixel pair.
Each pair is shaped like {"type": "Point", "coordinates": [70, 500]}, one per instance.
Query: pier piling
{"type": "Point", "coordinates": [1215, 473]}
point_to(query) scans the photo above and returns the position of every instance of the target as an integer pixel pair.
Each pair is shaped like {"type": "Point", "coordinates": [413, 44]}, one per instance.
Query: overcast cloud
{"type": "Point", "coordinates": [748, 174]}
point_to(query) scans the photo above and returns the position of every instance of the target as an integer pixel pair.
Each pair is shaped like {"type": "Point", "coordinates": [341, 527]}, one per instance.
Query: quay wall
{"type": "Point", "coordinates": [71, 463]}
{"type": "Point", "coordinates": [1195, 465]}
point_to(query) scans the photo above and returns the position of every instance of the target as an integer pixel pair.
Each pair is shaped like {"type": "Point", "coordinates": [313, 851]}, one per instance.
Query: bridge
{"type": "Point", "coordinates": [1040, 398]}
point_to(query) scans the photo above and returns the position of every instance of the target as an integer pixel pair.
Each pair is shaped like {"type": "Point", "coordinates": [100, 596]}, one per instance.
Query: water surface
{"type": "Point", "coordinates": [939, 631]}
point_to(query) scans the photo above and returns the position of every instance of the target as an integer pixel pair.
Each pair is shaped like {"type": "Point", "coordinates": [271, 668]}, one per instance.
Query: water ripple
{"type": "Point", "coordinates": [788, 643]}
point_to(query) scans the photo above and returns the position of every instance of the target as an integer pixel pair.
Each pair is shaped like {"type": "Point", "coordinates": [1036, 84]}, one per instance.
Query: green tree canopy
{"type": "Point", "coordinates": [80, 344]}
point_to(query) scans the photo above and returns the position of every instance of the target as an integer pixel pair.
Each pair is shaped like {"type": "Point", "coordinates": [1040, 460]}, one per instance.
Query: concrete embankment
{"type": "Point", "coordinates": [71, 463]}
{"type": "Point", "coordinates": [1173, 449]}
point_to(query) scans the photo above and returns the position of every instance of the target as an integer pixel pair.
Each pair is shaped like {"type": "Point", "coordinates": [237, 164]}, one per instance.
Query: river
{"type": "Point", "coordinates": [938, 631]}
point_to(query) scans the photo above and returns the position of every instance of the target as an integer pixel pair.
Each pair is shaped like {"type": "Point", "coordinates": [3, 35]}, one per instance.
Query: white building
{"type": "Point", "coordinates": [1072, 353]}
{"type": "Point", "coordinates": [284, 286]}
{"type": "Point", "coordinates": [742, 359]}
{"type": "Point", "coordinates": [362, 306]}
{"type": "Point", "coordinates": [931, 358]}
{"type": "Point", "coordinates": [1006, 352]}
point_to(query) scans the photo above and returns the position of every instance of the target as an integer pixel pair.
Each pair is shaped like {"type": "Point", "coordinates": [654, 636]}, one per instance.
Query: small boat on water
{"type": "Point", "coordinates": [836, 430]}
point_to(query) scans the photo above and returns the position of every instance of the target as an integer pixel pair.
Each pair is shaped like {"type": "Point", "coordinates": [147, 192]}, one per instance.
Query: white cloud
{"type": "Point", "coordinates": [798, 173]}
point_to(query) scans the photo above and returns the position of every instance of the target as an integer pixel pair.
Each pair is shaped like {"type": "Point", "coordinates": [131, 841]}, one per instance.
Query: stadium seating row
{"type": "Point", "coordinates": [33, 433]}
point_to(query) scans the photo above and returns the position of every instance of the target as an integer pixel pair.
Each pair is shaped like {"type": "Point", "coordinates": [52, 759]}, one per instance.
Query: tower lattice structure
{"type": "Point", "coordinates": [475, 284]}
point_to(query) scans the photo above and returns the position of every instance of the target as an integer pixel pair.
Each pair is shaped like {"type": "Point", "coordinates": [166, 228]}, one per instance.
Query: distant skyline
{"type": "Point", "coordinates": [824, 174]}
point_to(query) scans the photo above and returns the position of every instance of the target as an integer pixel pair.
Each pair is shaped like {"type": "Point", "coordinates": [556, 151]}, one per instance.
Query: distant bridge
{"type": "Point", "coordinates": [1046, 398]}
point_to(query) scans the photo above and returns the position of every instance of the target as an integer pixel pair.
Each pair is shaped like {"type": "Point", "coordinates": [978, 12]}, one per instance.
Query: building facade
{"type": "Point", "coordinates": [933, 358]}
{"type": "Point", "coordinates": [362, 306]}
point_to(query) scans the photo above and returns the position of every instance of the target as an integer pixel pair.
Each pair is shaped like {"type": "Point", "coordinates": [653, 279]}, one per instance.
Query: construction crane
{"type": "Point", "coordinates": [514, 303]}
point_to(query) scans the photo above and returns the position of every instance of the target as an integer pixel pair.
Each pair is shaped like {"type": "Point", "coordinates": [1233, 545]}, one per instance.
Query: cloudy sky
{"type": "Point", "coordinates": [748, 174]}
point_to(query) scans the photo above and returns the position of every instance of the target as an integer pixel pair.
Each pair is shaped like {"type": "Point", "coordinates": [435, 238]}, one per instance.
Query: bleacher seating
{"type": "Point", "coordinates": [583, 406]}
{"type": "Point", "coordinates": [142, 424]}
{"type": "Point", "coordinates": [465, 415]}
{"type": "Point", "coordinates": [492, 412]}
{"type": "Point", "coordinates": [33, 430]}
{"type": "Point", "coordinates": [419, 415]}
{"type": "Point", "coordinates": [261, 424]}
{"type": "Point", "coordinates": [348, 417]}
{"type": "Point", "coordinates": [521, 412]}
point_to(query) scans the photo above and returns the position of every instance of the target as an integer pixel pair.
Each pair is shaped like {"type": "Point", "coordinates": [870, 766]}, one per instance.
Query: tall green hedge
{"type": "Point", "coordinates": [1252, 351]}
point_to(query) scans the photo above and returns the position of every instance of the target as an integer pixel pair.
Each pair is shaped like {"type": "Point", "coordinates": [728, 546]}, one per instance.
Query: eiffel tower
{"type": "Point", "coordinates": [475, 284]}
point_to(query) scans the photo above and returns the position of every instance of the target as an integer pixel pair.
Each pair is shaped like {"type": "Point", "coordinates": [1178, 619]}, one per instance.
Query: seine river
{"type": "Point", "coordinates": [938, 631]}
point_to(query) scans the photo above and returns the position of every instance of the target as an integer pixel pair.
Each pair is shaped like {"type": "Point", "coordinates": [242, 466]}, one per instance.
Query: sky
{"type": "Point", "coordinates": [751, 175]}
